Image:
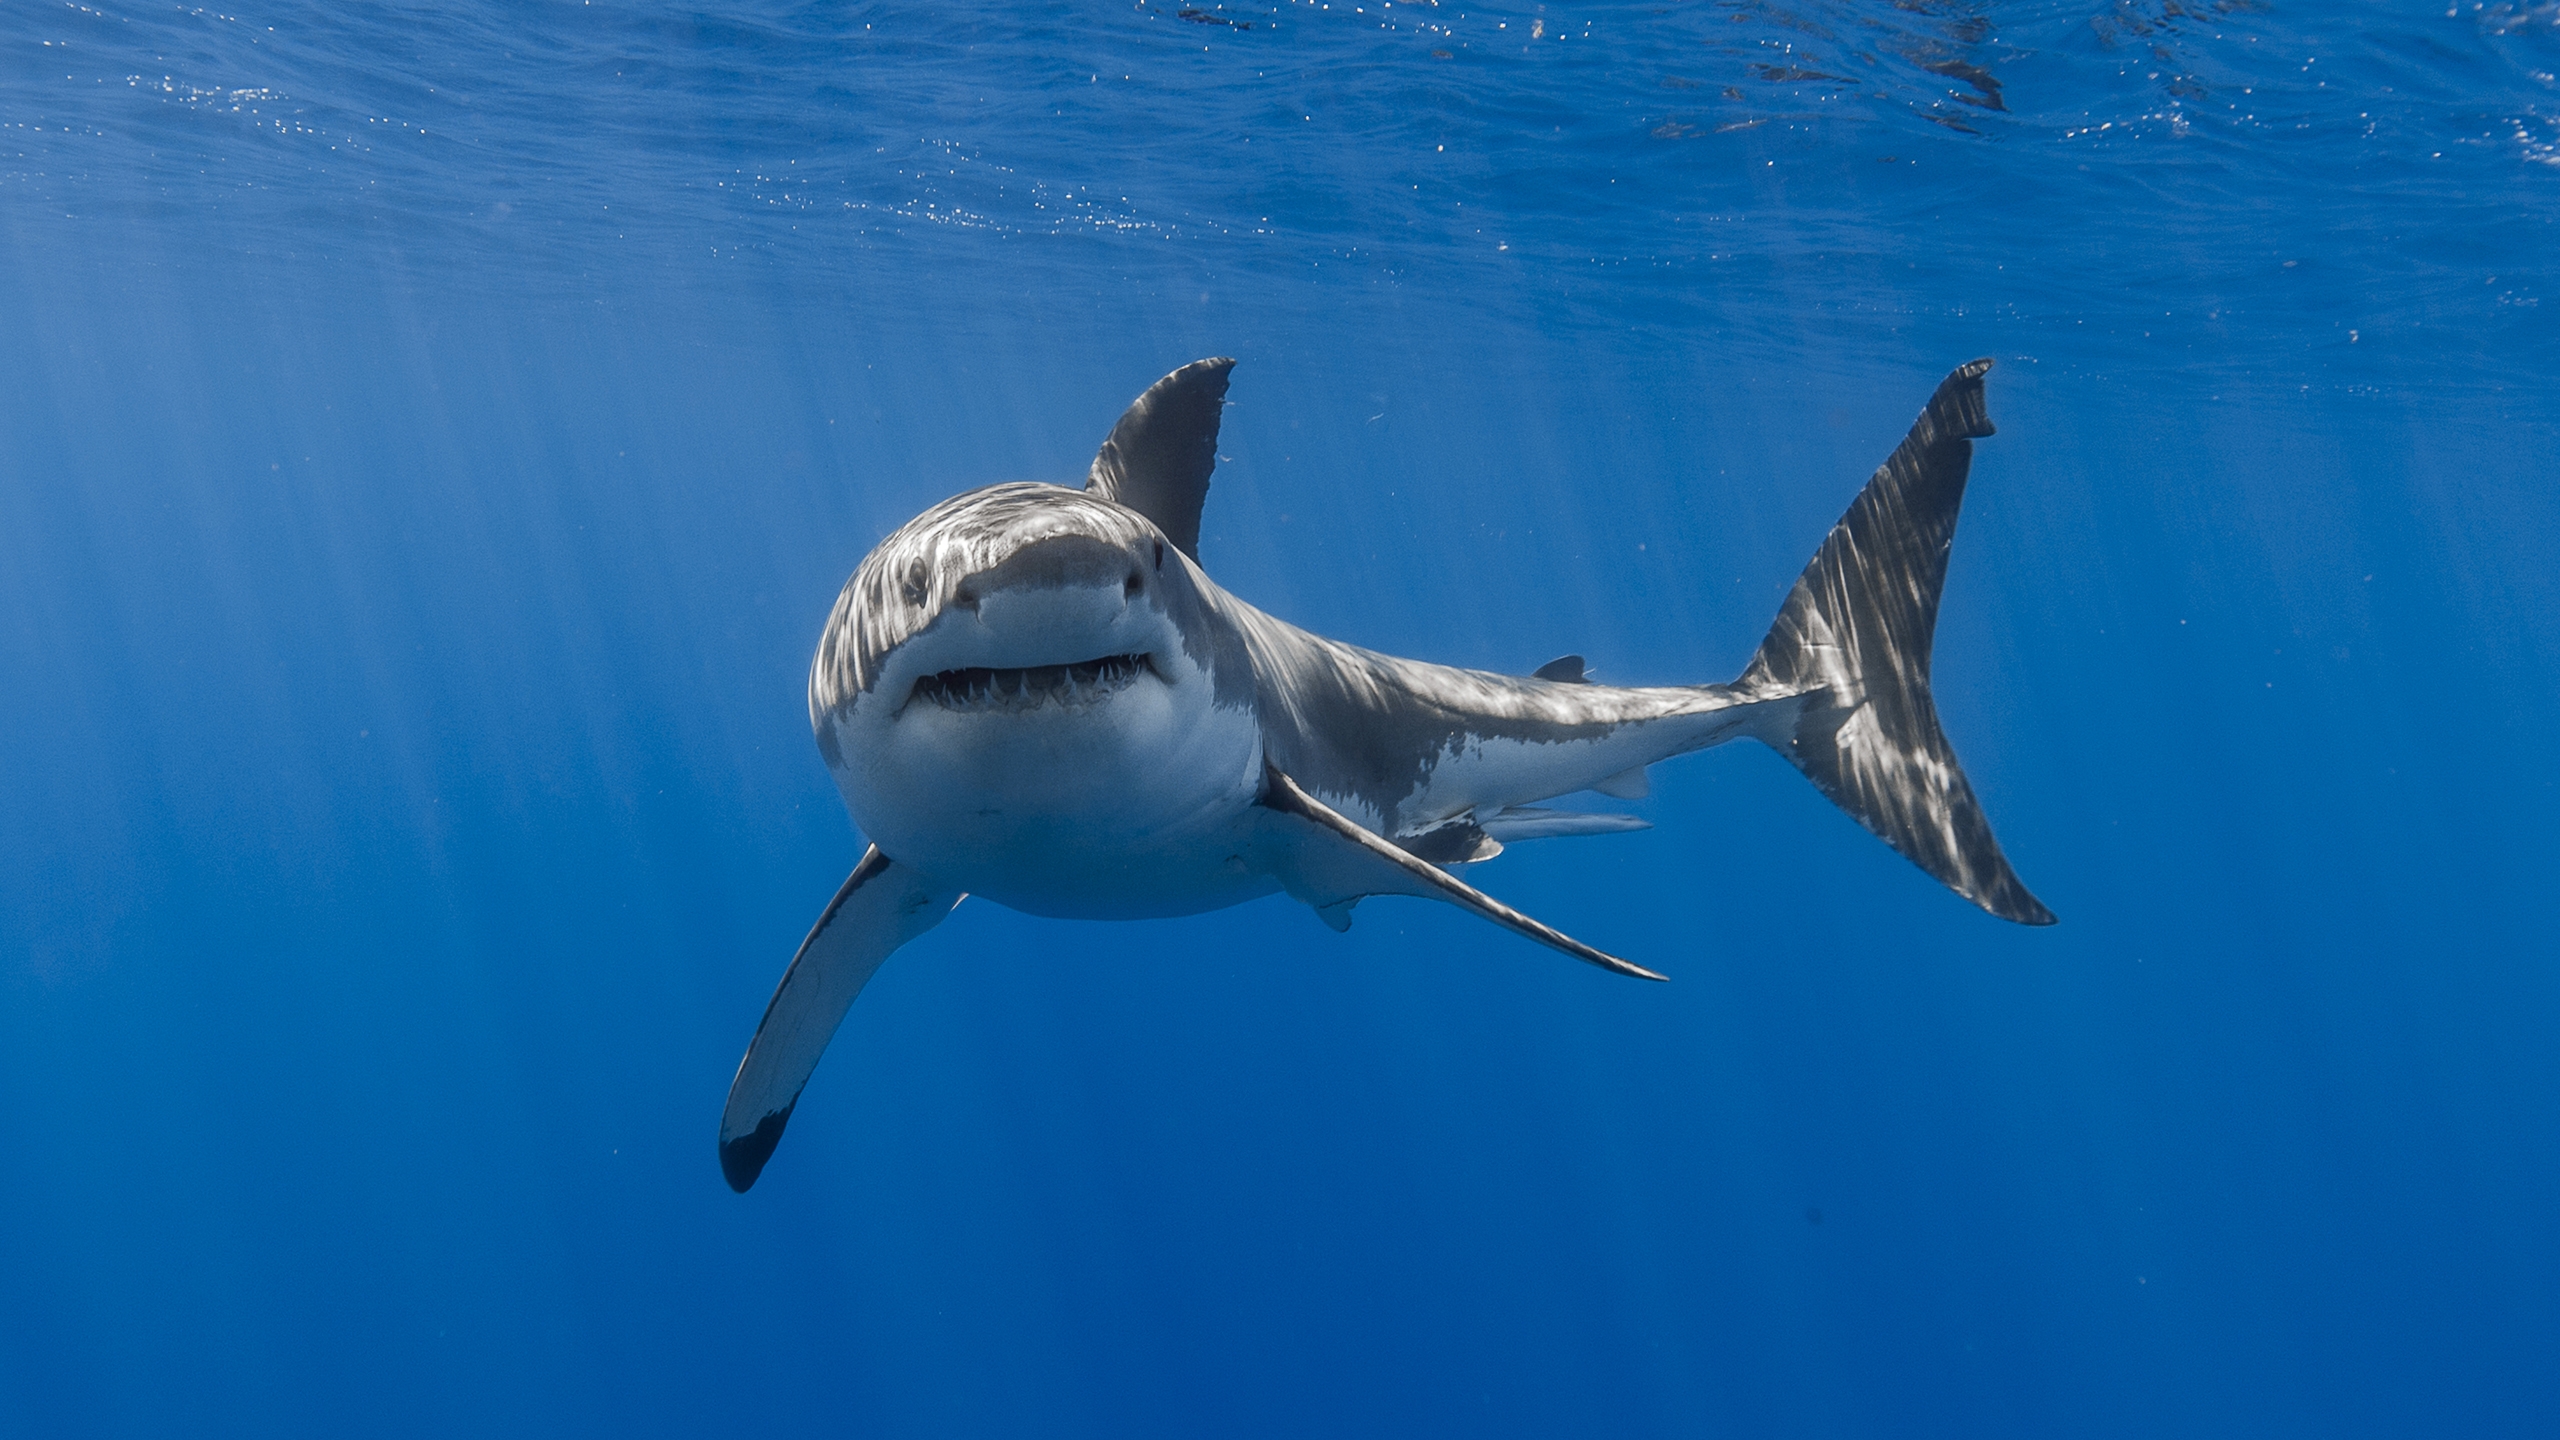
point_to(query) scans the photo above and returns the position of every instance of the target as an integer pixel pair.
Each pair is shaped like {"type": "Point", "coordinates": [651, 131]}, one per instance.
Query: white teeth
{"type": "Point", "coordinates": [1074, 687]}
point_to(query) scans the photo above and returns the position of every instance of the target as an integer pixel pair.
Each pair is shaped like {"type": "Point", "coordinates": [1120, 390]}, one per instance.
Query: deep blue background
{"type": "Point", "coordinates": [430, 439]}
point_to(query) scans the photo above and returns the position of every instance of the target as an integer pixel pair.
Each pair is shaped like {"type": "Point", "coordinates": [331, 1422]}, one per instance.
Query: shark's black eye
{"type": "Point", "coordinates": [913, 587]}
{"type": "Point", "coordinates": [1159, 557]}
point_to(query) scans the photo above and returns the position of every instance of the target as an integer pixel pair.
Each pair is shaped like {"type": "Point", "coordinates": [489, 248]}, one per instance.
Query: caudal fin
{"type": "Point", "coordinates": [1854, 638]}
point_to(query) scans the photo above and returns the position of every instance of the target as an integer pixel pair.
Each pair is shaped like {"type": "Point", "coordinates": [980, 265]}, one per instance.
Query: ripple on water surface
{"type": "Point", "coordinates": [2166, 182]}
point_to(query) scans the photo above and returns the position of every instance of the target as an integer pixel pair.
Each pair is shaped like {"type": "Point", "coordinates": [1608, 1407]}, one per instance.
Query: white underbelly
{"type": "Point", "coordinates": [1140, 806]}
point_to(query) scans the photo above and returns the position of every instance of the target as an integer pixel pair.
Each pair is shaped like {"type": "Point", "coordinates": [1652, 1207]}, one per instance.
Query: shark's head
{"type": "Point", "coordinates": [1024, 668]}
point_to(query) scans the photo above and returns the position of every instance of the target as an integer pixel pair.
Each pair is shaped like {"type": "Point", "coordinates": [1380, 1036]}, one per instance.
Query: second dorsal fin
{"type": "Point", "coordinates": [1564, 670]}
{"type": "Point", "coordinates": [1159, 456]}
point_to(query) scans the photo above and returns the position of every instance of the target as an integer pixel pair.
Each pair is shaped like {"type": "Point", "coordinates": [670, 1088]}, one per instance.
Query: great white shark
{"type": "Point", "coordinates": [1036, 695]}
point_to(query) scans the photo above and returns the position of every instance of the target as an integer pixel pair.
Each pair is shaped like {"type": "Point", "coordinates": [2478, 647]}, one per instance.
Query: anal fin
{"type": "Point", "coordinates": [1326, 859]}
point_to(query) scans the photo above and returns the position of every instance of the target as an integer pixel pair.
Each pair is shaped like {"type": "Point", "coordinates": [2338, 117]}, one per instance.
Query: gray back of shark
{"type": "Point", "coordinates": [1035, 694]}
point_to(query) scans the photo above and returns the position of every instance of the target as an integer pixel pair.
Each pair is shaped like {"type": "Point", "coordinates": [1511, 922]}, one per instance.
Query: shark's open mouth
{"type": "Point", "coordinates": [1071, 687]}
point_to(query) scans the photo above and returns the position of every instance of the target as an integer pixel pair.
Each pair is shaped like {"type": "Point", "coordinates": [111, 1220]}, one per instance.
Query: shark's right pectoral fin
{"type": "Point", "coordinates": [882, 906]}
{"type": "Point", "coordinates": [1326, 859]}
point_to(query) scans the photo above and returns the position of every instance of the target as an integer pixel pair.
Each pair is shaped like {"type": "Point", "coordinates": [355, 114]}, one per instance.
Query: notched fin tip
{"type": "Point", "coordinates": [1958, 409]}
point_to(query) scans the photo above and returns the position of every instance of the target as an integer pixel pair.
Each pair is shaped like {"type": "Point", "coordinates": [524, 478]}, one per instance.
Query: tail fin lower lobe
{"type": "Point", "coordinates": [1854, 639]}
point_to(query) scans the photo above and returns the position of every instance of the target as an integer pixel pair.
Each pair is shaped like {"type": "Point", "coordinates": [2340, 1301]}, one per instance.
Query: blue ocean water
{"type": "Point", "coordinates": [431, 438]}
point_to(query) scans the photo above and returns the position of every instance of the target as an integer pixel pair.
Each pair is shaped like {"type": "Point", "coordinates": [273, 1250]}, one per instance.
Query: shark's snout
{"type": "Point", "coordinates": [1059, 621]}
{"type": "Point", "coordinates": [1056, 563]}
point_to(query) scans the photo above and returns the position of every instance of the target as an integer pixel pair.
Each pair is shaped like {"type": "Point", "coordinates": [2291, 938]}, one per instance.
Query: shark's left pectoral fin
{"type": "Point", "coordinates": [881, 906]}
{"type": "Point", "coordinates": [1326, 859]}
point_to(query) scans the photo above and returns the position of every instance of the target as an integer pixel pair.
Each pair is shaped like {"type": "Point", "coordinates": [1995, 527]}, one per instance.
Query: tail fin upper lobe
{"type": "Point", "coordinates": [1854, 638]}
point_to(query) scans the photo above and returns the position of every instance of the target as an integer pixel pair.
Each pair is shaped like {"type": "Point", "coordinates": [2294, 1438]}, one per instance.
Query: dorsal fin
{"type": "Point", "coordinates": [1159, 456]}
{"type": "Point", "coordinates": [1563, 670]}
